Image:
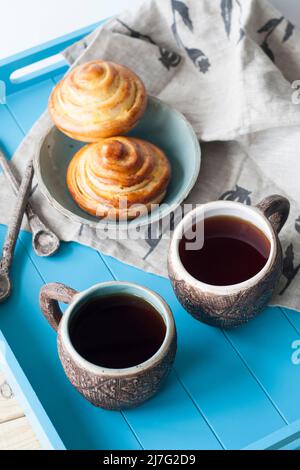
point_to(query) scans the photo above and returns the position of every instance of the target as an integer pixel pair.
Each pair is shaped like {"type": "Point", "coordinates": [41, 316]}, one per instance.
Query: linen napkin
{"type": "Point", "coordinates": [228, 66]}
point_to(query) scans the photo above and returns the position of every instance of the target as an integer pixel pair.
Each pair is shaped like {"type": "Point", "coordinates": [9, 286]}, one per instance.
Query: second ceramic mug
{"type": "Point", "coordinates": [231, 306]}
{"type": "Point", "coordinates": [113, 389]}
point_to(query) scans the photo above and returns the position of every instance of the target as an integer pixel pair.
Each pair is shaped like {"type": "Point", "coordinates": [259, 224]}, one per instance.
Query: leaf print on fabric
{"type": "Point", "coordinates": [226, 11]}
{"type": "Point", "coordinates": [270, 25]}
{"type": "Point", "coordinates": [288, 31]}
{"type": "Point", "coordinates": [242, 31]}
{"type": "Point", "coordinates": [242, 34]}
{"type": "Point", "coordinates": [183, 11]}
{"type": "Point", "coordinates": [289, 270]}
{"type": "Point", "coordinates": [268, 28]}
{"type": "Point", "coordinates": [167, 58]}
{"type": "Point", "coordinates": [238, 194]}
{"type": "Point", "coordinates": [199, 58]}
{"type": "Point", "coordinates": [137, 34]}
{"type": "Point", "coordinates": [265, 47]}
{"type": "Point", "coordinates": [153, 241]}
{"type": "Point", "coordinates": [33, 190]}
{"type": "Point", "coordinates": [176, 35]}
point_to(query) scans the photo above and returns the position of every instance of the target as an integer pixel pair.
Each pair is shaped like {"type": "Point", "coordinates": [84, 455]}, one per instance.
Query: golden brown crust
{"type": "Point", "coordinates": [118, 178]}
{"type": "Point", "coordinates": [96, 100]}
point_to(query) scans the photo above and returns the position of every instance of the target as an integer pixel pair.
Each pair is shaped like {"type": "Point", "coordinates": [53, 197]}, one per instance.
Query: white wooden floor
{"type": "Point", "coordinates": [15, 431]}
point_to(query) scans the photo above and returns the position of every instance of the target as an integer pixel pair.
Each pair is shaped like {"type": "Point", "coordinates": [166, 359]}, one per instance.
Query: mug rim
{"type": "Point", "coordinates": [231, 288]}
{"type": "Point", "coordinates": [164, 311]}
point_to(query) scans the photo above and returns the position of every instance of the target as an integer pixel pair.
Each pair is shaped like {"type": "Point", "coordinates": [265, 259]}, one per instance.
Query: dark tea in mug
{"type": "Point", "coordinates": [117, 331]}
{"type": "Point", "coordinates": [234, 250]}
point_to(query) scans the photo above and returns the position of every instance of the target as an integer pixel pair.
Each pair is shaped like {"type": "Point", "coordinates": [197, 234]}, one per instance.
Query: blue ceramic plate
{"type": "Point", "coordinates": [161, 125]}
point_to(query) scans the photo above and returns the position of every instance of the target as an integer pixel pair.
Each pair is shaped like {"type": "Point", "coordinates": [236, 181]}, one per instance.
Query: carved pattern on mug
{"type": "Point", "coordinates": [111, 392]}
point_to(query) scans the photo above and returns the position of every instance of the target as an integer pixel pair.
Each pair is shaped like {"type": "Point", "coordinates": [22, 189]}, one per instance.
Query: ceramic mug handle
{"type": "Point", "coordinates": [50, 295]}
{"type": "Point", "coordinates": [276, 208]}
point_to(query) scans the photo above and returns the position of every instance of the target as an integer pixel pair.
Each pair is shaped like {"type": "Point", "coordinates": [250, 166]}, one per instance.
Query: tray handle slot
{"type": "Point", "coordinates": [9, 66]}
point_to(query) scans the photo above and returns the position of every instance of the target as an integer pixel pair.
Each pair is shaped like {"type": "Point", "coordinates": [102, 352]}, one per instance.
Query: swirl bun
{"type": "Point", "coordinates": [96, 100]}
{"type": "Point", "coordinates": [118, 178]}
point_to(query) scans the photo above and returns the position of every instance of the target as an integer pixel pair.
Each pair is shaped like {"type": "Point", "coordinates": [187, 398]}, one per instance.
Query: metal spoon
{"type": "Point", "coordinates": [13, 232]}
{"type": "Point", "coordinates": [44, 241]}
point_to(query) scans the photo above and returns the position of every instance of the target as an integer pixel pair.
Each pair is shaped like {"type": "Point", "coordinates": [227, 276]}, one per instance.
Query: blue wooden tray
{"type": "Point", "coordinates": [228, 390]}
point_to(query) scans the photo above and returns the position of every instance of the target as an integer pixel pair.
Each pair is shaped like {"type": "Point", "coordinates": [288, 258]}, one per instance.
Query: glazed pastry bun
{"type": "Point", "coordinates": [118, 178]}
{"type": "Point", "coordinates": [96, 100]}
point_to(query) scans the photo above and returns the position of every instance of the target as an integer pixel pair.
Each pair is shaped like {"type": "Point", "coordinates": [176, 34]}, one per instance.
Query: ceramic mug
{"type": "Point", "coordinates": [233, 305]}
{"type": "Point", "coordinates": [112, 389]}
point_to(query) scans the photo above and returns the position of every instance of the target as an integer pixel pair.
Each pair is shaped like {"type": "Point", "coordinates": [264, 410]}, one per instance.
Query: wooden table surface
{"type": "Point", "coordinates": [15, 431]}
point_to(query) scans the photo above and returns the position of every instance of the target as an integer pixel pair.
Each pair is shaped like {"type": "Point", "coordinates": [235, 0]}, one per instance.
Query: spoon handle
{"type": "Point", "coordinates": [35, 223]}
{"type": "Point", "coordinates": [16, 220]}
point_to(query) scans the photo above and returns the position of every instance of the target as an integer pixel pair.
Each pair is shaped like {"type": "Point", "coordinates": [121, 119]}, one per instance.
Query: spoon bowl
{"type": "Point", "coordinates": [45, 243]}
{"type": "Point", "coordinates": [5, 286]}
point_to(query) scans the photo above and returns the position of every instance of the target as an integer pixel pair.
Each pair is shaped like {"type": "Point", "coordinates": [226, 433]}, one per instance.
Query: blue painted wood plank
{"type": "Point", "coordinates": [77, 265]}
{"type": "Point", "coordinates": [58, 77]}
{"type": "Point", "coordinates": [28, 105]}
{"type": "Point", "coordinates": [294, 318]}
{"type": "Point", "coordinates": [265, 344]}
{"type": "Point", "coordinates": [11, 134]}
{"type": "Point", "coordinates": [228, 395]}
{"type": "Point", "coordinates": [80, 424]}
{"type": "Point", "coordinates": [170, 421]}
{"type": "Point", "coordinates": [221, 385]}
